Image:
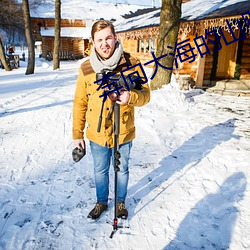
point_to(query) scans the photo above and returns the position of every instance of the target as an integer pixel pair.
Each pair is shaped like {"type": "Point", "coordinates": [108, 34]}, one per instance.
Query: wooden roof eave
{"type": "Point", "coordinates": [187, 27]}
{"type": "Point", "coordinates": [199, 26]}
{"type": "Point", "coordinates": [138, 33]}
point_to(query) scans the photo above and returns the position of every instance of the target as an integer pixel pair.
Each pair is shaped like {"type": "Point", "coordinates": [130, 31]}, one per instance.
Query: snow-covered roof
{"type": "Point", "coordinates": [85, 10]}
{"type": "Point", "coordinates": [201, 9]}
{"type": "Point", "coordinates": [79, 32]}
{"type": "Point", "coordinates": [145, 20]}
{"type": "Point", "coordinates": [192, 10]}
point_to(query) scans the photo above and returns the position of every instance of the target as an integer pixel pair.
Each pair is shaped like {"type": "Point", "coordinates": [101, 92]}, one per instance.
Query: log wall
{"type": "Point", "coordinates": [74, 45]}
{"type": "Point", "coordinates": [245, 60]}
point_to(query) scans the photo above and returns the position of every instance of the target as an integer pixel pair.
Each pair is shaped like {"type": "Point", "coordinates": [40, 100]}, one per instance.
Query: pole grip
{"type": "Point", "coordinates": [117, 119]}
{"type": "Point", "coordinates": [99, 124]}
{"type": "Point", "coordinates": [100, 118]}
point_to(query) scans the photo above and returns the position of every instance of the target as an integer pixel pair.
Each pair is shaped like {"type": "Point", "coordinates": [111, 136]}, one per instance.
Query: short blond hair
{"type": "Point", "coordinates": [100, 25]}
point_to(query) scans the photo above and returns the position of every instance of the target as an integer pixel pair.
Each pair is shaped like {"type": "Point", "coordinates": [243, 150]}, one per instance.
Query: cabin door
{"type": "Point", "coordinates": [227, 57]}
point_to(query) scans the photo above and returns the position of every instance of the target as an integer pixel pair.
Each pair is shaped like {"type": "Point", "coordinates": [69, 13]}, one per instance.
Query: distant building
{"type": "Point", "coordinates": [77, 19]}
{"type": "Point", "coordinates": [74, 37]}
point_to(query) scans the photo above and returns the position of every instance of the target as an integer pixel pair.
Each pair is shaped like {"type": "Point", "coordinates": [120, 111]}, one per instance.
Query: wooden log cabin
{"type": "Point", "coordinates": [139, 33]}
{"type": "Point", "coordinates": [75, 36]}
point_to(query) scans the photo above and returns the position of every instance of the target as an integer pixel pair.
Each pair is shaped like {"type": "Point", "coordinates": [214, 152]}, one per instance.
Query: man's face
{"type": "Point", "coordinates": [104, 42]}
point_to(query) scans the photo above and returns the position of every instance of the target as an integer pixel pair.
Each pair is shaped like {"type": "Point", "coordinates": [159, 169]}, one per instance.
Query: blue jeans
{"type": "Point", "coordinates": [102, 158]}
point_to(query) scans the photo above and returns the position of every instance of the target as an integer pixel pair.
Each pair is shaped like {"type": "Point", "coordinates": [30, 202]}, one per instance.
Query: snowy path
{"type": "Point", "coordinates": [189, 171]}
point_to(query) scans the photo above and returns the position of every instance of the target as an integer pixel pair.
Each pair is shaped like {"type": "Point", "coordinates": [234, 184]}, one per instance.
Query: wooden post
{"type": "Point", "coordinates": [200, 68]}
{"type": "Point", "coordinates": [145, 45]}
{"type": "Point", "coordinates": [156, 41]}
{"type": "Point", "coordinates": [149, 45]}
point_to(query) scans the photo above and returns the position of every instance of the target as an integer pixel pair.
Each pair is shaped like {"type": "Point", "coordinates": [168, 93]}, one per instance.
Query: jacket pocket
{"type": "Point", "coordinates": [127, 120]}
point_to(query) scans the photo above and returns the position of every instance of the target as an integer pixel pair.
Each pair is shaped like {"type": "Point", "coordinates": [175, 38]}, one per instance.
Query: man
{"type": "Point", "coordinates": [108, 55]}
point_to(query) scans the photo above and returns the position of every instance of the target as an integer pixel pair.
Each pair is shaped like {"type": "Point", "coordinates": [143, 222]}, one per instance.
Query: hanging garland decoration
{"type": "Point", "coordinates": [148, 32]}
{"type": "Point", "coordinates": [188, 28]}
{"type": "Point", "coordinates": [199, 27]}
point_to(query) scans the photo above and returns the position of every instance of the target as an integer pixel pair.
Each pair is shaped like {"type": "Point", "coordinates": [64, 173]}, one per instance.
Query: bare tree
{"type": "Point", "coordinates": [28, 33]}
{"type": "Point", "coordinates": [168, 34]}
{"type": "Point", "coordinates": [56, 59]}
{"type": "Point", "coordinates": [3, 57]}
{"type": "Point", "coordinates": [11, 24]}
{"type": "Point", "coordinates": [11, 16]}
{"type": "Point", "coordinates": [36, 3]}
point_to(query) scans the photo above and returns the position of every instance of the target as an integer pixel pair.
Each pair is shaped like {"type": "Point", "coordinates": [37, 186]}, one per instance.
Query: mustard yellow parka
{"type": "Point", "coordinates": [87, 106]}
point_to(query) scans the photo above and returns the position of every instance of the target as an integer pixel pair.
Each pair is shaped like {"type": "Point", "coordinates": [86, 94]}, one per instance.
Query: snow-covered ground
{"type": "Point", "coordinates": [189, 170]}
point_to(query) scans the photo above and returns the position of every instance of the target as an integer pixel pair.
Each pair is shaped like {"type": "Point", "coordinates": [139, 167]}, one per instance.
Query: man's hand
{"type": "Point", "coordinates": [123, 97]}
{"type": "Point", "coordinates": [79, 151]}
{"type": "Point", "coordinates": [79, 143]}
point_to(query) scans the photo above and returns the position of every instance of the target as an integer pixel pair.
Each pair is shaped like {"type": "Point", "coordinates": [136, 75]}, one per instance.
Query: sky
{"type": "Point", "coordinates": [156, 3]}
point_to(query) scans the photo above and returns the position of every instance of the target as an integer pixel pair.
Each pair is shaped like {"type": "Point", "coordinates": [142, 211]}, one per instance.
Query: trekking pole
{"type": "Point", "coordinates": [117, 156]}
{"type": "Point", "coordinates": [100, 118]}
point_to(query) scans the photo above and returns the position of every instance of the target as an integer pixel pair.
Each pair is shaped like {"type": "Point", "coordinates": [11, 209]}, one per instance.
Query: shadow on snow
{"type": "Point", "coordinates": [209, 225]}
{"type": "Point", "coordinates": [190, 153]}
{"type": "Point", "coordinates": [23, 110]}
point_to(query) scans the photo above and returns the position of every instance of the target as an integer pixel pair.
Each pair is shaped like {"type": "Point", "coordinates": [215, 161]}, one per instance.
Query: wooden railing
{"type": "Point", "coordinates": [13, 61]}
{"type": "Point", "coordinates": [64, 55]}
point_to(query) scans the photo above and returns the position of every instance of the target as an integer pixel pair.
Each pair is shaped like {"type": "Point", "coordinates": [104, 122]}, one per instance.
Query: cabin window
{"type": "Point", "coordinates": [152, 45]}
{"type": "Point", "coordinates": [146, 45]}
